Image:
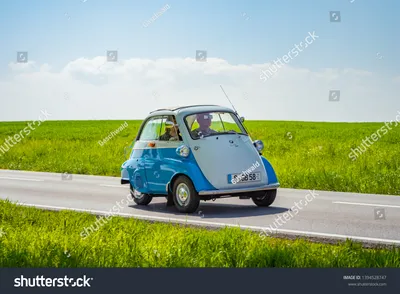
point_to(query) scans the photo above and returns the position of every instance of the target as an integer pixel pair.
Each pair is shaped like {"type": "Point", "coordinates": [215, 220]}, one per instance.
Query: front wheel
{"type": "Point", "coordinates": [264, 198]}
{"type": "Point", "coordinates": [140, 198]}
{"type": "Point", "coordinates": [184, 195]}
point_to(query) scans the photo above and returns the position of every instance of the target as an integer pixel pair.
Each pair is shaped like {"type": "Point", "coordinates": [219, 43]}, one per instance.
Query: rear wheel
{"type": "Point", "coordinates": [140, 198]}
{"type": "Point", "coordinates": [264, 198]}
{"type": "Point", "coordinates": [184, 195]}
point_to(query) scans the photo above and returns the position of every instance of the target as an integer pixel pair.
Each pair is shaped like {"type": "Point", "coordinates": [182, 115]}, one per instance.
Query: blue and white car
{"type": "Point", "coordinates": [198, 152]}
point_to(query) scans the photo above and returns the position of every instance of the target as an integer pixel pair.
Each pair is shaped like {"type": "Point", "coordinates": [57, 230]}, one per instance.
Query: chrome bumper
{"type": "Point", "coordinates": [240, 190]}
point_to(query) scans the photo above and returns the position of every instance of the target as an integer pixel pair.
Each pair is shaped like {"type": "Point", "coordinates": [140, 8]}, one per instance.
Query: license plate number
{"type": "Point", "coordinates": [244, 178]}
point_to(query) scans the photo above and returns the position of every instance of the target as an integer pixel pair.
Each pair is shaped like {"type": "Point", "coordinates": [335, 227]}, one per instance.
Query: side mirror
{"type": "Point", "coordinates": [242, 119]}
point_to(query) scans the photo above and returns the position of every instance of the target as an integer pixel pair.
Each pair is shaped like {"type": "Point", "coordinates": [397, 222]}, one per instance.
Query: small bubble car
{"type": "Point", "coordinates": [198, 152]}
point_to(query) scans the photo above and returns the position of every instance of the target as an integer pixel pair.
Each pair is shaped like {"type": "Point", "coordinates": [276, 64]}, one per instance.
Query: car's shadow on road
{"type": "Point", "coordinates": [215, 210]}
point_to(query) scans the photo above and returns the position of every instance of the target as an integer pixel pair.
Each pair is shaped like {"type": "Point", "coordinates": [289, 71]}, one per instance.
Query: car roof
{"type": "Point", "coordinates": [188, 109]}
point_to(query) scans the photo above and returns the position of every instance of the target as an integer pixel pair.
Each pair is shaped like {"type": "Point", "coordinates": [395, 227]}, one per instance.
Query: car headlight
{"type": "Point", "coordinates": [183, 151]}
{"type": "Point", "coordinates": [259, 145]}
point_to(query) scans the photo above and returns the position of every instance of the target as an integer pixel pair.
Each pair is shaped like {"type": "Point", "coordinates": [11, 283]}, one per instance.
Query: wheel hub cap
{"type": "Point", "coordinates": [183, 193]}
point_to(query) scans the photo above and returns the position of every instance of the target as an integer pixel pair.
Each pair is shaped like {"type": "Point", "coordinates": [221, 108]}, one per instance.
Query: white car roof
{"type": "Point", "coordinates": [189, 109]}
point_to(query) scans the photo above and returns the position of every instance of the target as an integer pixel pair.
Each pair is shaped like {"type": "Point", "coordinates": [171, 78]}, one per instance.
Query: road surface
{"type": "Point", "coordinates": [370, 219]}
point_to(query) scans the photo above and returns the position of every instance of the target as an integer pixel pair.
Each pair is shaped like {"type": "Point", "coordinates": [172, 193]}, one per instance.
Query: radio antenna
{"type": "Point", "coordinates": [228, 99]}
{"type": "Point", "coordinates": [234, 109]}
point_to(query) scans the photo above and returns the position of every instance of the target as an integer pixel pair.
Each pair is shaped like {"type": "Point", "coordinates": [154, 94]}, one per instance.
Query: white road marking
{"type": "Point", "coordinates": [366, 204]}
{"type": "Point", "coordinates": [196, 222]}
{"type": "Point", "coordinates": [22, 179]}
{"type": "Point", "coordinates": [114, 186]}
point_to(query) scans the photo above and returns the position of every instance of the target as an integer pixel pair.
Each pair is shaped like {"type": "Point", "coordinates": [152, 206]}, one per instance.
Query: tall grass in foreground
{"type": "Point", "coordinates": [305, 155]}
{"type": "Point", "coordinates": [37, 238]}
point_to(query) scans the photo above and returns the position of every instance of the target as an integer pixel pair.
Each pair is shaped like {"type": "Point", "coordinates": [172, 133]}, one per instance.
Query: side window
{"type": "Point", "coordinates": [170, 129]}
{"type": "Point", "coordinates": [152, 129]}
{"type": "Point", "coordinates": [164, 131]}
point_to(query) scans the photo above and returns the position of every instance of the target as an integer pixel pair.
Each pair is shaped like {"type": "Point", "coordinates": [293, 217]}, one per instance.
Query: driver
{"type": "Point", "coordinates": [204, 121]}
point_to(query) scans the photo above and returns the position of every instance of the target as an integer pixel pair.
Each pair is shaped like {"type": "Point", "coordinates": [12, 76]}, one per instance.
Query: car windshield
{"type": "Point", "coordinates": [206, 124]}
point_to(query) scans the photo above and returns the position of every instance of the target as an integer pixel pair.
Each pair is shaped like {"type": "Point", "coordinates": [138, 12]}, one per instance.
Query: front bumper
{"type": "Point", "coordinates": [239, 190]}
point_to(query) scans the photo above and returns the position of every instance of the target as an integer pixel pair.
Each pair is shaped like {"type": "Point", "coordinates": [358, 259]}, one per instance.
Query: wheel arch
{"type": "Point", "coordinates": [170, 184]}
{"type": "Point", "coordinates": [272, 178]}
{"type": "Point", "coordinates": [191, 170]}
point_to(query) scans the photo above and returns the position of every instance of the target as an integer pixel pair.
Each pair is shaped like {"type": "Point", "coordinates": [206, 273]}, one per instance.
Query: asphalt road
{"type": "Point", "coordinates": [371, 219]}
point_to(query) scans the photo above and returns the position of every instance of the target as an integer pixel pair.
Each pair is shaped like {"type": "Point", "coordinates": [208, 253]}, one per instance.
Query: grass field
{"type": "Point", "coordinates": [305, 155]}
{"type": "Point", "coordinates": [38, 238]}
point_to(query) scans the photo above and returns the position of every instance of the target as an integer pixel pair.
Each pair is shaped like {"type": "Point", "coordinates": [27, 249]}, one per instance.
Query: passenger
{"type": "Point", "coordinates": [171, 131]}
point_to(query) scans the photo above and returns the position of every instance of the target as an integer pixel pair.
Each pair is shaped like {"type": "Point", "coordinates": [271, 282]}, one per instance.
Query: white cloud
{"type": "Point", "coordinates": [125, 90]}
{"type": "Point", "coordinates": [23, 66]}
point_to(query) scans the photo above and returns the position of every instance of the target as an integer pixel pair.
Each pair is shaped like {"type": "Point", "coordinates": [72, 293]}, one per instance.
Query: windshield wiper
{"type": "Point", "coordinates": [227, 133]}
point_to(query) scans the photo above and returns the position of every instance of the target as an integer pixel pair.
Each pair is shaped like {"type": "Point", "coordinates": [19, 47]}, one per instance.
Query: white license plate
{"type": "Point", "coordinates": [244, 178]}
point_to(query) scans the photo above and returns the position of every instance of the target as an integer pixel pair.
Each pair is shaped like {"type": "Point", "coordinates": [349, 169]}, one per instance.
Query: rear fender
{"type": "Point", "coordinates": [134, 170]}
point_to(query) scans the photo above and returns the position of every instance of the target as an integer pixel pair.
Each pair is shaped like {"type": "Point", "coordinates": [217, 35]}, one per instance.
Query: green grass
{"type": "Point", "coordinates": [312, 156]}
{"type": "Point", "coordinates": [38, 238]}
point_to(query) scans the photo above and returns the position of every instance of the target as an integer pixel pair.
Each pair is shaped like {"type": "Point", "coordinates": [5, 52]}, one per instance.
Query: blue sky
{"type": "Point", "coordinates": [59, 32]}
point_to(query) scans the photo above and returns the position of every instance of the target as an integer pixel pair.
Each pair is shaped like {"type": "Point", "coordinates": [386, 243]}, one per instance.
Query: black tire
{"type": "Point", "coordinates": [185, 203]}
{"type": "Point", "coordinates": [142, 199]}
{"type": "Point", "coordinates": [264, 198]}
{"type": "Point", "coordinates": [170, 200]}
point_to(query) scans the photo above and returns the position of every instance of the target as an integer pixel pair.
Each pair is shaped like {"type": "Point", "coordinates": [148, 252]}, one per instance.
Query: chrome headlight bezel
{"type": "Point", "coordinates": [183, 151]}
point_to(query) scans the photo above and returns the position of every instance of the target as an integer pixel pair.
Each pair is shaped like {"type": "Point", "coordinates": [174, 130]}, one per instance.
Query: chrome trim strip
{"type": "Point", "coordinates": [242, 190]}
{"type": "Point", "coordinates": [166, 187]}
{"type": "Point", "coordinates": [155, 148]}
